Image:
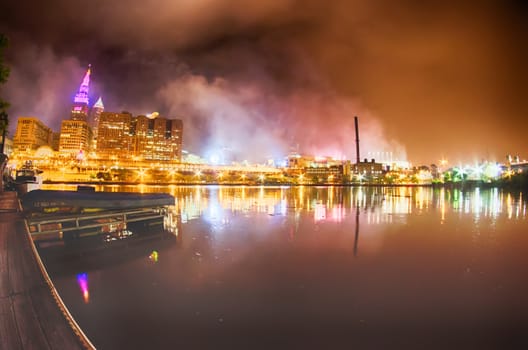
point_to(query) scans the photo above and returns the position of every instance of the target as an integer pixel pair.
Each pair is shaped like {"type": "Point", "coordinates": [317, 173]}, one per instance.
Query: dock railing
{"type": "Point", "coordinates": [48, 227]}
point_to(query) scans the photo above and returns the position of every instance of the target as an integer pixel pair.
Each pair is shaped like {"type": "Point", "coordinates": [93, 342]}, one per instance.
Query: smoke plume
{"type": "Point", "coordinates": [256, 79]}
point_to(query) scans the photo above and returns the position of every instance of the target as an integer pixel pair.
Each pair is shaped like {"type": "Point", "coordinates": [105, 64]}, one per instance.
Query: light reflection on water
{"type": "Point", "coordinates": [336, 203]}
{"type": "Point", "coordinates": [281, 267]}
{"type": "Point", "coordinates": [331, 203]}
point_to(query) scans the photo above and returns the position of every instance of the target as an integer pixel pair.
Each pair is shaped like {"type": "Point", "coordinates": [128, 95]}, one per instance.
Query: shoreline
{"type": "Point", "coordinates": [249, 184]}
{"type": "Point", "coordinates": [458, 185]}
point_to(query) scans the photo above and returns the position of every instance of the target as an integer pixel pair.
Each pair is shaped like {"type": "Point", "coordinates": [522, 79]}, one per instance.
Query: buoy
{"type": "Point", "coordinates": [154, 256]}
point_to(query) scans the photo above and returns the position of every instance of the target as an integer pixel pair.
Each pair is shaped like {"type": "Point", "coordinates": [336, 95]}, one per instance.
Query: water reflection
{"type": "Point", "coordinates": [217, 205]}
{"type": "Point", "coordinates": [323, 263]}
{"type": "Point", "coordinates": [380, 205]}
{"type": "Point", "coordinates": [356, 236]}
{"type": "Point", "coordinates": [334, 204]}
{"type": "Point", "coordinates": [82, 281]}
{"type": "Point", "coordinates": [342, 207]}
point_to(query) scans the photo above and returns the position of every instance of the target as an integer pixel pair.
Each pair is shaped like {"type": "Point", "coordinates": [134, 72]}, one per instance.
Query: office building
{"type": "Point", "coordinates": [157, 138]}
{"type": "Point", "coordinates": [75, 137]}
{"type": "Point", "coordinates": [31, 134]}
{"type": "Point", "coordinates": [114, 135]}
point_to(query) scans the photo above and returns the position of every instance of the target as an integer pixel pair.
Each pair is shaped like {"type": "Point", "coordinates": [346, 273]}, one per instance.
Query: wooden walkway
{"type": "Point", "coordinates": [32, 316]}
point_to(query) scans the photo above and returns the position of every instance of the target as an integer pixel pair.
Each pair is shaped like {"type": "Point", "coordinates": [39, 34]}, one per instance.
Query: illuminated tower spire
{"type": "Point", "coordinates": [80, 102]}
{"type": "Point", "coordinates": [82, 95]}
{"type": "Point", "coordinates": [99, 104]}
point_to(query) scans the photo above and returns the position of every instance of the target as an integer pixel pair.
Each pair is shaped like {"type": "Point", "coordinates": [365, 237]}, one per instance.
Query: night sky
{"type": "Point", "coordinates": [256, 78]}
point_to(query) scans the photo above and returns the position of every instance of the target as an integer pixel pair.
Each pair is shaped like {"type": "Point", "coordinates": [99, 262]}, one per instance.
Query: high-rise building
{"type": "Point", "coordinates": [114, 135]}
{"type": "Point", "coordinates": [97, 109]}
{"type": "Point", "coordinates": [174, 134]}
{"type": "Point", "coordinates": [75, 137]}
{"type": "Point", "coordinates": [79, 109]}
{"type": "Point", "coordinates": [31, 134]}
{"type": "Point", "coordinates": [157, 138]}
{"type": "Point", "coordinates": [76, 134]}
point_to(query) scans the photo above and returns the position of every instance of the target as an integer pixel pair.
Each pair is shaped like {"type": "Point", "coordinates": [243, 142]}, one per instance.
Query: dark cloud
{"type": "Point", "coordinates": [432, 78]}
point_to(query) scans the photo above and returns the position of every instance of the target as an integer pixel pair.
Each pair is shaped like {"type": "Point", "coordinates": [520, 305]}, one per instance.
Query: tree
{"type": "Point", "coordinates": [4, 73]}
{"type": "Point", "coordinates": [4, 121]}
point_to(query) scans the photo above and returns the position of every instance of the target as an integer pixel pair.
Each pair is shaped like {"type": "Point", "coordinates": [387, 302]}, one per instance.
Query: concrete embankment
{"type": "Point", "coordinates": [32, 315]}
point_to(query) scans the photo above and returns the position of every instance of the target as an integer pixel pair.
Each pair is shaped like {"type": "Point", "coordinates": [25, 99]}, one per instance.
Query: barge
{"type": "Point", "coordinates": [87, 200]}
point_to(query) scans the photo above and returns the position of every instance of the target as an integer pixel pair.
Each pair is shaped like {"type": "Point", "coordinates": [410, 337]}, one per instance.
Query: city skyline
{"type": "Point", "coordinates": [427, 81]}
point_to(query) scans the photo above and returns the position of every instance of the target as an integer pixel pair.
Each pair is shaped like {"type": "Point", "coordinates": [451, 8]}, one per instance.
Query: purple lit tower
{"type": "Point", "coordinates": [80, 102]}
{"type": "Point", "coordinates": [76, 135]}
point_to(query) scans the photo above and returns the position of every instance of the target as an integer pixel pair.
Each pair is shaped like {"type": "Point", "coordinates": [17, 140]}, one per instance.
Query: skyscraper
{"type": "Point", "coordinates": [97, 109]}
{"type": "Point", "coordinates": [76, 134]}
{"type": "Point", "coordinates": [114, 135]}
{"type": "Point", "coordinates": [79, 109]}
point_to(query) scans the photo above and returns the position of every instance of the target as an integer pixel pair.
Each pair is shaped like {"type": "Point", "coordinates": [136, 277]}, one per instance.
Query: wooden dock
{"type": "Point", "coordinates": [32, 315]}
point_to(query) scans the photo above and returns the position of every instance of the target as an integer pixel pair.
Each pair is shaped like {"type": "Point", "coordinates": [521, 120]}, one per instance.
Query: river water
{"type": "Point", "coordinates": [310, 268]}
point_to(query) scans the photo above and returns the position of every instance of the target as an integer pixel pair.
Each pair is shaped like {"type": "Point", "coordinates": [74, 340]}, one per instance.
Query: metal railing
{"type": "Point", "coordinates": [40, 226]}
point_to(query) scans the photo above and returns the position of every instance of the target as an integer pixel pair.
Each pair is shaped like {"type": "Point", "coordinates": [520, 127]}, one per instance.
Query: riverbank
{"type": "Point", "coordinates": [216, 183]}
{"type": "Point", "coordinates": [462, 185]}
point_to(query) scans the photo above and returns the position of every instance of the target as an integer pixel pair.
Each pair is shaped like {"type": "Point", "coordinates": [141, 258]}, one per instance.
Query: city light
{"type": "Point", "coordinates": [141, 174]}
{"type": "Point", "coordinates": [127, 146]}
{"type": "Point", "coordinates": [215, 159]}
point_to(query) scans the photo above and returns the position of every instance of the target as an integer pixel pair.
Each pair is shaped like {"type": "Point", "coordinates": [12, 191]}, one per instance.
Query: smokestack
{"type": "Point", "coordinates": [357, 139]}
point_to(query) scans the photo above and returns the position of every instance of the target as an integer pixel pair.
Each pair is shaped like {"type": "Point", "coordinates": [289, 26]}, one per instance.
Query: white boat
{"type": "Point", "coordinates": [28, 178]}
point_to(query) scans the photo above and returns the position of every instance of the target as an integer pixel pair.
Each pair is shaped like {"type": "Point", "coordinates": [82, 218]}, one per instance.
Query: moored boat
{"type": "Point", "coordinates": [84, 201]}
{"type": "Point", "coordinates": [27, 178]}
